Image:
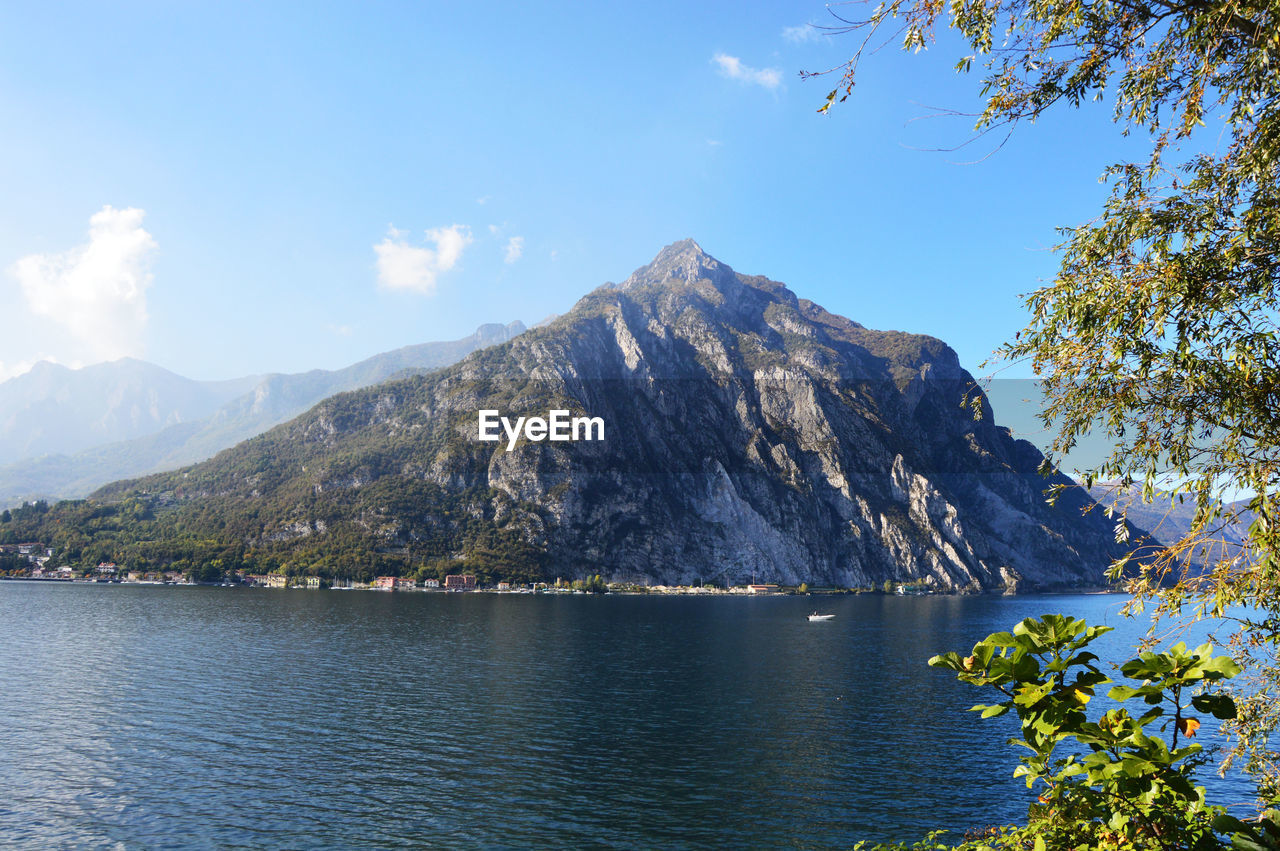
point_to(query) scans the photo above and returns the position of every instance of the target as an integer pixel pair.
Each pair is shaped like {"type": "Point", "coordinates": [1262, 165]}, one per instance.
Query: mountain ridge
{"type": "Point", "coordinates": [749, 432]}
{"type": "Point", "coordinates": [1169, 519]}
{"type": "Point", "coordinates": [245, 407]}
{"type": "Point", "coordinates": [52, 407]}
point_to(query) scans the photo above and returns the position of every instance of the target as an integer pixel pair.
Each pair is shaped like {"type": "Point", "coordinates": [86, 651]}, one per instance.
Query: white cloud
{"type": "Point", "coordinates": [732, 67]}
{"type": "Point", "coordinates": [802, 33]}
{"type": "Point", "coordinates": [97, 290]}
{"type": "Point", "coordinates": [515, 247]}
{"type": "Point", "coordinates": [402, 266]}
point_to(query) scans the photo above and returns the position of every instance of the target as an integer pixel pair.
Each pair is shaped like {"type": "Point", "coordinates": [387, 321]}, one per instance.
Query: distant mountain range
{"type": "Point", "coordinates": [65, 432]}
{"type": "Point", "coordinates": [748, 433]}
{"type": "Point", "coordinates": [54, 409]}
{"type": "Point", "coordinates": [1166, 518]}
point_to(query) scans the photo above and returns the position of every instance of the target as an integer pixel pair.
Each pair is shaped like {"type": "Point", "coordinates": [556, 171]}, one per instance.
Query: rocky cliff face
{"type": "Point", "coordinates": [748, 433]}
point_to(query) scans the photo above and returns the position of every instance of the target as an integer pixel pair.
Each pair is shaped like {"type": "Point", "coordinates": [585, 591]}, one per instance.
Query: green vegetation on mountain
{"type": "Point", "coordinates": [219, 534]}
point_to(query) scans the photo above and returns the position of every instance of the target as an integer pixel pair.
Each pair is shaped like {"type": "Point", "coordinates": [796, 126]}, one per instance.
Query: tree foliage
{"type": "Point", "coordinates": [1161, 327]}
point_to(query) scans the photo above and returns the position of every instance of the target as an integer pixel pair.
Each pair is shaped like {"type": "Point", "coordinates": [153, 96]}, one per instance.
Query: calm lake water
{"type": "Point", "coordinates": [177, 717]}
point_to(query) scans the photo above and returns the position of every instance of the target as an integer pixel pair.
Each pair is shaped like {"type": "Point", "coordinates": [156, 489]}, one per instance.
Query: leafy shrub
{"type": "Point", "coordinates": [1117, 781]}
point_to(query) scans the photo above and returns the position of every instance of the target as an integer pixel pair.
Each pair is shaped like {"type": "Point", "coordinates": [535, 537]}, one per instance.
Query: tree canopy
{"type": "Point", "coordinates": [1160, 327]}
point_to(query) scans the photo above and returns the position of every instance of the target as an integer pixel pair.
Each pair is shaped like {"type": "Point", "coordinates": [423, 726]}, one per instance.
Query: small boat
{"type": "Point", "coordinates": [817, 617]}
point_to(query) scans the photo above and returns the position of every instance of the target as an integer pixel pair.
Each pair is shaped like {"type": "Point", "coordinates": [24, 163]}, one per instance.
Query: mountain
{"type": "Point", "coordinates": [1168, 518]}
{"type": "Point", "coordinates": [747, 433]}
{"type": "Point", "coordinates": [53, 408]}
{"type": "Point", "coordinates": [120, 420]}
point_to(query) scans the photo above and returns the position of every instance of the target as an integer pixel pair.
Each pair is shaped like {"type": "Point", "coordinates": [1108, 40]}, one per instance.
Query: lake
{"type": "Point", "coordinates": [234, 717]}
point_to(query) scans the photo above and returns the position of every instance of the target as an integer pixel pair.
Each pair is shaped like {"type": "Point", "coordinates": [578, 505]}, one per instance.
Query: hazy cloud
{"type": "Point", "coordinates": [97, 290]}
{"type": "Point", "coordinates": [732, 67]}
{"type": "Point", "coordinates": [802, 33]}
{"type": "Point", "coordinates": [402, 266]}
{"type": "Point", "coordinates": [515, 247]}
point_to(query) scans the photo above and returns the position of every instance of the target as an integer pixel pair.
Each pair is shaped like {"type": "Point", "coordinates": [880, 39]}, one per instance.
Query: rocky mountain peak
{"type": "Point", "coordinates": [683, 262]}
{"type": "Point", "coordinates": [494, 332]}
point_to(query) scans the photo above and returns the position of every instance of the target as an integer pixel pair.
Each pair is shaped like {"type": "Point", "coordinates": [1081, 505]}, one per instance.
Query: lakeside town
{"type": "Point", "coordinates": [30, 562]}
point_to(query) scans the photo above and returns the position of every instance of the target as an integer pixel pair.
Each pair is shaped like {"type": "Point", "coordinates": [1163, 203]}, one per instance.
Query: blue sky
{"type": "Point", "coordinates": [226, 189]}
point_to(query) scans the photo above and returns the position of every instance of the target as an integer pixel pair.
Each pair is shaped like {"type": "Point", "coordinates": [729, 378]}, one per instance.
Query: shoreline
{"type": "Point", "coordinates": [636, 591]}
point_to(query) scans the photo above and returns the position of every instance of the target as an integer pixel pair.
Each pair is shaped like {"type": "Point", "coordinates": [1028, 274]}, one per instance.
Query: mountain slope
{"type": "Point", "coordinates": [54, 409]}
{"type": "Point", "coordinates": [748, 433]}
{"type": "Point", "coordinates": [245, 407]}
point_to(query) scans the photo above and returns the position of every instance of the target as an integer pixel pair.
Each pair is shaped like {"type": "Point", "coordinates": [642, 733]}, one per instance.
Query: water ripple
{"type": "Point", "coordinates": [177, 717]}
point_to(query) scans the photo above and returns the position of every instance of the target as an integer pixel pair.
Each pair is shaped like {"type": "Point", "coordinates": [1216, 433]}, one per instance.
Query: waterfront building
{"type": "Point", "coordinates": [460, 582]}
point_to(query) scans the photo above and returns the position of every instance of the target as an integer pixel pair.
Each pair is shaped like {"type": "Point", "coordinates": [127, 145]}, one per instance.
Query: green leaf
{"type": "Point", "coordinates": [1123, 692]}
{"type": "Point", "coordinates": [947, 660]}
{"type": "Point", "coordinates": [1218, 705]}
{"type": "Point", "coordinates": [1223, 666]}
